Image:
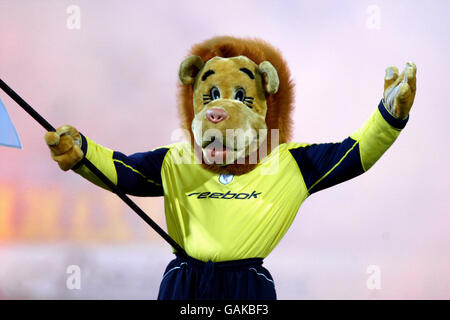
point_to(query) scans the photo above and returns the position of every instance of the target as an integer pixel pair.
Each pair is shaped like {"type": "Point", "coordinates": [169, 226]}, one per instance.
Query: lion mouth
{"type": "Point", "coordinates": [216, 150]}
{"type": "Point", "coordinates": [222, 149]}
{"type": "Point", "coordinates": [215, 143]}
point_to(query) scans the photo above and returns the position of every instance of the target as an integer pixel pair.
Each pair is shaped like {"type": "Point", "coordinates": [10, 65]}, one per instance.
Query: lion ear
{"type": "Point", "coordinates": [189, 69]}
{"type": "Point", "coordinates": [271, 81]}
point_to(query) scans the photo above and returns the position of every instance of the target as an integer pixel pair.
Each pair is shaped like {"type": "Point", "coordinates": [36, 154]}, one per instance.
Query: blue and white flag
{"type": "Point", "coordinates": [8, 134]}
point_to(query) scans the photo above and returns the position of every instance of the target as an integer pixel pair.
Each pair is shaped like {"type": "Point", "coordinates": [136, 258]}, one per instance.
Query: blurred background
{"type": "Point", "coordinates": [110, 68]}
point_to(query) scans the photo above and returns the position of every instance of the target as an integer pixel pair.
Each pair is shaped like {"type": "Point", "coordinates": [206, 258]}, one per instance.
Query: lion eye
{"type": "Point", "coordinates": [239, 94]}
{"type": "Point", "coordinates": [215, 93]}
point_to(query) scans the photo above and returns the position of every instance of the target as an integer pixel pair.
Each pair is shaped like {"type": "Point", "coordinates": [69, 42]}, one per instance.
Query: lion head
{"type": "Point", "coordinates": [236, 94]}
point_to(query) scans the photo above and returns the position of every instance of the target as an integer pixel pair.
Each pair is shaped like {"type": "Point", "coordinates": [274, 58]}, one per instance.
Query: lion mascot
{"type": "Point", "coordinates": [233, 189]}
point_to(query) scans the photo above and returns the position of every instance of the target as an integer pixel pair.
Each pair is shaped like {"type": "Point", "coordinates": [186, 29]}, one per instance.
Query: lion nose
{"type": "Point", "coordinates": [216, 115]}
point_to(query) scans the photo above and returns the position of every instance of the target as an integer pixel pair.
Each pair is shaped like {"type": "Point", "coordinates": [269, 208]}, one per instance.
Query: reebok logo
{"type": "Point", "coordinates": [227, 196]}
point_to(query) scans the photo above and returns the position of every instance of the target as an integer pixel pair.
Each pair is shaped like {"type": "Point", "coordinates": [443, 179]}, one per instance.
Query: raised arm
{"type": "Point", "coordinates": [325, 165]}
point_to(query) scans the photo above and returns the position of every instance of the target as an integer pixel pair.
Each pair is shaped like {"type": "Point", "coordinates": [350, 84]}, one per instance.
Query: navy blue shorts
{"type": "Point", "coordinates": [187, 278]}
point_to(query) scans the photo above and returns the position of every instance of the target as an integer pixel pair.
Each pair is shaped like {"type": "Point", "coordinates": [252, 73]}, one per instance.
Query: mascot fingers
{"type": "Point", "coordinates": [65, 146]}
{"type": "Point", "coordinates": [390, 77]}
{"type": "Point", "coordinates": [400, 90]}
{"type": "Point", "coordinates": [67, 160]}
{"type": "Point", "coordinates": [410, 76]}
{"type": "Point", "coordinates": [65, 143]}
{"type": "Point", "coordinates": [407, 92]}
{"type": "Point", "coordinates": [51, 138]}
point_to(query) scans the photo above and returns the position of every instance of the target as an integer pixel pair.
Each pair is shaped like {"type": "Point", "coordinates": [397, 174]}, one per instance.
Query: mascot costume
{"type": "Point", "coordinates": [232, 191]}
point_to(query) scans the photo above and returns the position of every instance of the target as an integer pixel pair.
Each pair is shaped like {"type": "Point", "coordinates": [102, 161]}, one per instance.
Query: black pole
{"type": "Point", "coordinates": [10, 92]}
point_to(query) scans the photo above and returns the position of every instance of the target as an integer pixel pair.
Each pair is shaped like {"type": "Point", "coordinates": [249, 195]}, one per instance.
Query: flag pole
{"type": "Point", "coordinates": [36, 116]}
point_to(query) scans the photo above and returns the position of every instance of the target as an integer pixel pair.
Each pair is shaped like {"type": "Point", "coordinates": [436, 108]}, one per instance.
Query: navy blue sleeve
{"type": "Point", "coordinates": [140, 174]}
{"type": "Point", "coordinates": [393, 121]}
{"type": "Point", "coordinates": [327, 164]}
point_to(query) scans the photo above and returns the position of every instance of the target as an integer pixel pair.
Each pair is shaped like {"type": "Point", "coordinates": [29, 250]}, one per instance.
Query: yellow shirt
{"type": "Point", "coordinates": [225, 217]}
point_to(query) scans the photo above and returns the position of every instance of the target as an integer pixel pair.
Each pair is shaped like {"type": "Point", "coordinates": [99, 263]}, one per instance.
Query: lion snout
{"type": "Point", "coordinates": [216, 115]}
